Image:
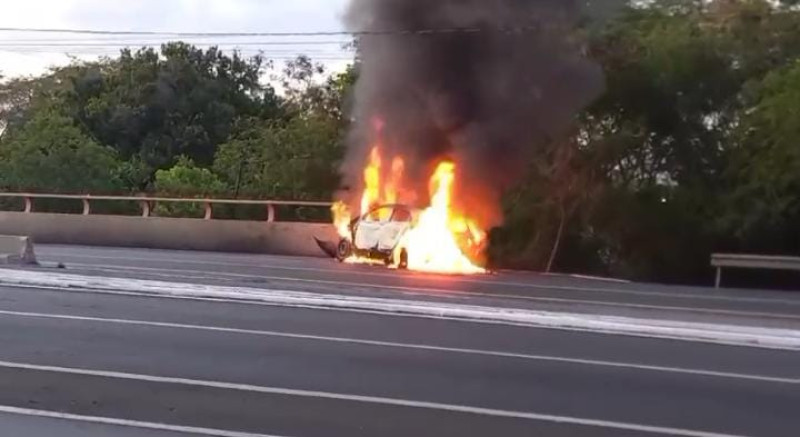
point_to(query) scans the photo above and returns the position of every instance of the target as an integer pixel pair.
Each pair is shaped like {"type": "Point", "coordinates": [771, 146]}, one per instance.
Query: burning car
{"type": "Point", "coordinates": [436, 239]}
{"type": "Point", "coordinates": [378, 235]}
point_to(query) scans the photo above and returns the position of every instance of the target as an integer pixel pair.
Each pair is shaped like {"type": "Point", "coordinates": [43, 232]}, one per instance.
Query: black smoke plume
{"type": "Point", "coordinates": [481, 82]}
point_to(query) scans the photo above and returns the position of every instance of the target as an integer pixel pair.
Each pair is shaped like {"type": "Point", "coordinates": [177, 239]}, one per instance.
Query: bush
{"type": "Point", "coordinates": [186, 180]}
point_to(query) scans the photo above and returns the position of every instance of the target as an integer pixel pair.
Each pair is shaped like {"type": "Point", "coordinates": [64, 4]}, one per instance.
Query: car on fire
{"type": "Point", "coordinates": [378, 235]}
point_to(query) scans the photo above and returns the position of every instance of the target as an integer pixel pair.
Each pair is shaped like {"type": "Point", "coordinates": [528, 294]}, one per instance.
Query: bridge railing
{"type": "Point", "coordinates": [147, 204]}
{"type": "Point", "coordinates": [748, 261]}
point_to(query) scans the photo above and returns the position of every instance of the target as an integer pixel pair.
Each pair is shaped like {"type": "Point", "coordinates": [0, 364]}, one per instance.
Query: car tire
{"type": "Point", "coordinates": [344, 249]}
{"type": "Point", "coordinates": [403, 264]}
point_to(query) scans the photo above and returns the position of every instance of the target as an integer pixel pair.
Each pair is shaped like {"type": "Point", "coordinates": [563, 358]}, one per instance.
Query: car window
{"type": "Point", "coordinates": [377, 215]}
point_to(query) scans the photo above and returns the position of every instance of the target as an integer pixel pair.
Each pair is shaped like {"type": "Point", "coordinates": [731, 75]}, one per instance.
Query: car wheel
{"type": "Point", "coordinates": [403, 264]}
{"type": "Point", "coordinates": [344, 250]}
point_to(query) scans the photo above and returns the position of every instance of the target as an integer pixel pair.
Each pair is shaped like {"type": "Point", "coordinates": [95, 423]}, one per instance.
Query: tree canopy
{"type": "Point", "coordinates": [693, 147]}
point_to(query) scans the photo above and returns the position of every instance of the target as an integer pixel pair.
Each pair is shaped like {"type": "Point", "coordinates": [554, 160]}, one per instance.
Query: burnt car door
{"type": "Point", "coordinates": [369, 228]}
{"type": "Point", "coordinates": [392, 231]}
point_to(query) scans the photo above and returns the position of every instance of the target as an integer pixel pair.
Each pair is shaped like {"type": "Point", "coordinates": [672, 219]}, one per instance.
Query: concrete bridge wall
{"type": "Point", "coordinates": [279, 238]}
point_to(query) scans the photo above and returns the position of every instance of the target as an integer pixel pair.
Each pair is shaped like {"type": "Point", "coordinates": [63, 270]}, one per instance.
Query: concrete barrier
{"type": "Point", "coordinates": [16, 250]}
{"type": "Point", "coordinates": [280, 238]}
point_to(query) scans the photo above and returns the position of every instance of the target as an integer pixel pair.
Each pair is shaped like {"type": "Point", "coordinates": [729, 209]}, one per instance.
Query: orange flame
{"type": "Point", "coordinates": [438, 238]}
{"type": "Point", "coordinates": [391, 192]}
{"type": "Point", "coordinates": [372, 181]}
{"type": "Point", "coordinates": [433, 243]}
{"type": "Point", "coordinates": [372, 195]}
{"type": "Point", "coordinates": [341, 219]}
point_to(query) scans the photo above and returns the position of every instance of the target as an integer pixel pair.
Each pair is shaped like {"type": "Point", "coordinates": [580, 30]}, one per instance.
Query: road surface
{"type": "Point", "coordinates": [517, 290]}
{"type": "Point", "coordinates": [94, 364]}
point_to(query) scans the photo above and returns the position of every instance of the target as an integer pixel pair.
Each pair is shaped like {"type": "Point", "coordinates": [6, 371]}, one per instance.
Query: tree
{"type": "Point", "coordinates": [561, 186]}
{"type": "Point", "coordinates": [182, 101]}
{"type": "Point", "coordinates": [651, 156]}
{"type": "Point", "coordinates": [679, 76]}
{"type": "Point", "coordinates": [150, 106]}
{"type": "Point", "coordinates": [50, 153]}
{"type": "Point", "coordinates": [310, 90]}
{"type": "Point", "coordinates": [691, 149]}
{"type": "Point", "coordinates": [292, 161]}
{"type": "Point", "coordinates": [18, 95]}
{"type": "Point", "coordinates": [185, 179]}
{"type": "Point", "coordinates": [764, 204]}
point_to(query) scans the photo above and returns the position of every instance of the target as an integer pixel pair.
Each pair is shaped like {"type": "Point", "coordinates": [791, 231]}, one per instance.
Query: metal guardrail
{"type": "Point", "coordinates": [147, 204]}
{"type": "Point", "coordinates": [720, 260]}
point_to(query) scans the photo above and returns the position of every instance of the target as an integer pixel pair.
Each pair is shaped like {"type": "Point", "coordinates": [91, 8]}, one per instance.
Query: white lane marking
{"type": "Point", "coordinates": [450, 279]}
{"type": "Point", "coordinates": [232, 277]}
{"type": "Point", "coordinates": [728, 335]}
{"type": "Point", "coordinates": [590, 277]}
{"type": "Point", "coordinates": [370, 400]}
{"type": "Point", "coordinates": [126, 423]}
{"type": "Point", "coordinates": [467, 351]}
{"type": "Point", "coordinates": [385, 314]}
{"type": "Point", "coordinates": [439, 293]}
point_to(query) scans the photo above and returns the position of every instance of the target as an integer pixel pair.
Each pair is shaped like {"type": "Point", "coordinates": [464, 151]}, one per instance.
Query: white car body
{"type": "Point", "coordinates": [382, 228]}
{"type": "Point", "coordinates": [378, 235]}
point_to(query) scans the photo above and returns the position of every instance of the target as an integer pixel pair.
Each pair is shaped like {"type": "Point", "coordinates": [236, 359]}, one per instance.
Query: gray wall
{"type": "Point", "coordinates": [168, 233]}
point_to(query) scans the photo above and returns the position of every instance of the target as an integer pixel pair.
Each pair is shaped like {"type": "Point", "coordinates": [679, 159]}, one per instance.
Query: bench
{"type": "Point", "coordinates": [720, 260]}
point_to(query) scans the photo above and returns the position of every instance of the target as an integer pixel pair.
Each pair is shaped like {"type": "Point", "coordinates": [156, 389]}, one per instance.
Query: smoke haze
{"type": "Point", "coordinates": [485, 97]}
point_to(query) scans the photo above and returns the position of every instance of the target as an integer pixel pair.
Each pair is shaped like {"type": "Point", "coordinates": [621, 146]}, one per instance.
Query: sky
{"type": "Point", "coordinates": [33, 53]}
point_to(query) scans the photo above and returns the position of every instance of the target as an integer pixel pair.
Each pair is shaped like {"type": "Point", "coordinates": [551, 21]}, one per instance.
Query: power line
{"type": "Point", "coordinates": [84, 43]}
{"type": "Point", "coordinates": [260, 34]}
{"type": "Point", "coordinates": [33, 38]}
{"type": "Point", "coordinates": [318, 49]}
{"type": "Point", "coordinates": [272, 55]}
{"type": "Point", "coordinates": [114, 51]}
{"type": "Point", "coordinates": [311, 51]}
{"type": "Point", "coordinates": [169, 34]}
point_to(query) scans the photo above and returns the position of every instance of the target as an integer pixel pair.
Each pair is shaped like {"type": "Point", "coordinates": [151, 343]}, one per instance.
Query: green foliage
{"type": "Point", "coordinates": [559, 192]}
{"type": "Point", "coordinates": [182, 101]}
{"type": "Point", "coordinates": [660, 135]}
{"type": "Point", "coordinates": [183, 180]}
{"type": "Point", "coordinates": [311, 93]}
{"type": "Point", "coordinates": [764, 205]}
{"type": "Point", "coordinates": [50, 153]}
{"type": "Point", "coordinates": [154, 106]}
{"type": "Point", "coordinates": [692, 149]}
{"type": "Point", "coordinates": [22, 98]}
{"type": "Point", "coordinates": [295, 160]}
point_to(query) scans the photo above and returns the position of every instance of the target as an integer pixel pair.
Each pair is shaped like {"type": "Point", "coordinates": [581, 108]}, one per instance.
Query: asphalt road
{"type": "Point", "coordinates": [110, 365]}
{"type": "Point", "coordinates": [507, 289]}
